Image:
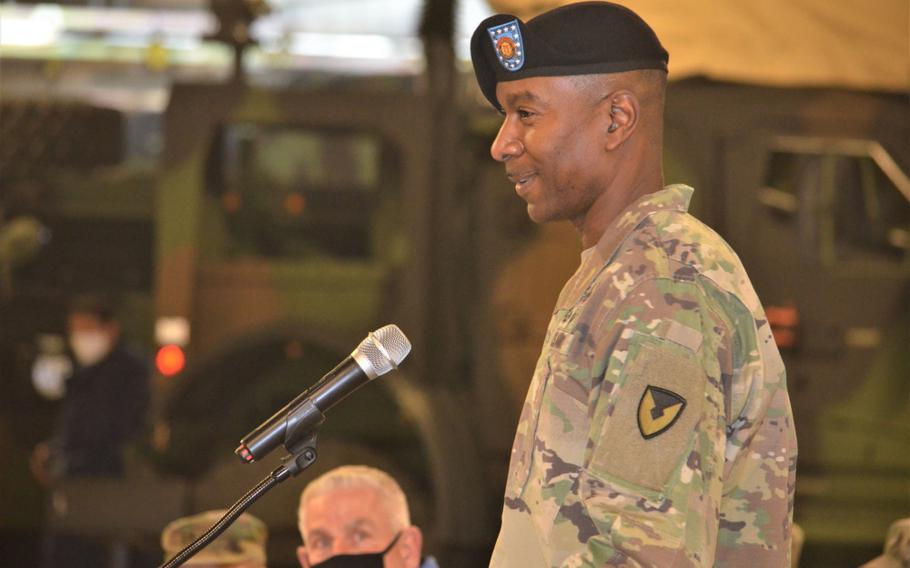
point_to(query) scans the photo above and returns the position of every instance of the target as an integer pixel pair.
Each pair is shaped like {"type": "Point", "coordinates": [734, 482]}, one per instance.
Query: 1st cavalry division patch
{"type": "Point", "coordinates": [508, 45]}
{"type": "Point", "coordinates": [658, 409]}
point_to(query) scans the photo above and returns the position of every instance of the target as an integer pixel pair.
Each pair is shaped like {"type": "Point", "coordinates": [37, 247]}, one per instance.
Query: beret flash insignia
{"type": "Point", "coordinates": [508, 45]}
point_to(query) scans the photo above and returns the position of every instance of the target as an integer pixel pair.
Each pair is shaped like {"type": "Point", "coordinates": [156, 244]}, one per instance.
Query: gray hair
{"type": "Point", "coordinates": [357, 476]}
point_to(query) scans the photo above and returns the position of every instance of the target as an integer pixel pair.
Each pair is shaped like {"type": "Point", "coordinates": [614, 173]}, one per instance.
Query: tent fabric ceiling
{"type": "Point", "coordinates": [855, 44]}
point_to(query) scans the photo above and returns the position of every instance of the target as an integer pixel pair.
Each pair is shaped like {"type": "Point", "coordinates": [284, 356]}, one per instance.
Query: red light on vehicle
{"type": "Point", "coordinates": [294, 204]}
{"type": "Point", "coordinates": [232, 201]}
{"type": "Point", "coordinates": [170, 360]}
{"type": "Point", "coordinates": [782, 316]}
{"type": "Point", "coordinates": [785, 338]}
{"type": "Point", "coordinates": [784, 321]}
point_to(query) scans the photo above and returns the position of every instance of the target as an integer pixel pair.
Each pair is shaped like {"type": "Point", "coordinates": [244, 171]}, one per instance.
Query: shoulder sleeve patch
{"type": "Point", "coordinates": [653, 423]}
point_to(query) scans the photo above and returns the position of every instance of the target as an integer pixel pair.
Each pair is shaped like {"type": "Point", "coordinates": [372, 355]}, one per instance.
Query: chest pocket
{"type": "Point", "coordinates": [564, 419]}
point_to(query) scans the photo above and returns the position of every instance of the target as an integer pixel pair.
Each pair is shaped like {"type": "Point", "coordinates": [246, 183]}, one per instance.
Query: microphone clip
{"type": "Point", "coordinates": [301, 433]}
{"type": "Point", "coordinates": [302, 455]}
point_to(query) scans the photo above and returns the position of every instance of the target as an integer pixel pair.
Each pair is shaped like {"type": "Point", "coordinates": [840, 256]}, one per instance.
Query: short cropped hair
{"type": "Point", "coordinates": [102, 307]}
{"type": "Point", "coordinates": [357, 476]}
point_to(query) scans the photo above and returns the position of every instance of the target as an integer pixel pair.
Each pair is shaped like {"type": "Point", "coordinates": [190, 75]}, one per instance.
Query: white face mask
{"type": "Point", "coordinates": [49, 374]}
{"type": "Point", "coordinates": [90, 347]}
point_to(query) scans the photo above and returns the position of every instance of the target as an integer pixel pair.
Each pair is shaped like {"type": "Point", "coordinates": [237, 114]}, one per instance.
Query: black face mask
{"type": "Point", "coordinates": [369, 560]}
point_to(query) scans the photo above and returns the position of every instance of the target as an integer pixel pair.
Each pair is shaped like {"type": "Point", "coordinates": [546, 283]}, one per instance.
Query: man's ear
{"type": "Point", "coordinates": [302, 558]}
{"type": "Point", "coordinates": [410, 545]}
{"type": "Point", "coordinates": [625, 111]}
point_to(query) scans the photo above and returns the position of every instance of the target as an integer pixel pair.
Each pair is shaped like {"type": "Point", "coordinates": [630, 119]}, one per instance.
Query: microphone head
{"type": "Point", "coordinates": [382, 351]}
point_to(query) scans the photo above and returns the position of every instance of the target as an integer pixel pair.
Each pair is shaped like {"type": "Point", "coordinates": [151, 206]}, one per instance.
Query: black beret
{"type": "Point", "coordinates": [576, 39]}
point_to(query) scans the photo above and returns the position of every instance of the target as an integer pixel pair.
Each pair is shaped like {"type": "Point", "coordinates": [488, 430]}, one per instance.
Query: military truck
{"type": "Point", "coordinates": [290, 224]}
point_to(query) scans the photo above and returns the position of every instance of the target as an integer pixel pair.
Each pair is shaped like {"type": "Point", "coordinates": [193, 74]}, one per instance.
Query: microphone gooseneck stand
{"type": "Point", "coordinates": [302, 455]}
{"type": "Point", "coordinates": [297, 424]}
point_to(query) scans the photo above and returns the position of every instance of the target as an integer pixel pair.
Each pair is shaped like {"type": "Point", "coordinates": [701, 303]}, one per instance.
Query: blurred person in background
{"type": "Point", "coordinates": [897, 547]}
{"type": "Point", "coordinates": [357, 516]}
{"type": "Point", "coordinates": [103, 409]}
{"type": "Point", "coordinates": [242, 545]}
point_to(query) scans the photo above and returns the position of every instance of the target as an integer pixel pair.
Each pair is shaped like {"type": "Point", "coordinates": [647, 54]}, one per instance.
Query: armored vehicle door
{"type": "Point", "coordinates": [823, 226]}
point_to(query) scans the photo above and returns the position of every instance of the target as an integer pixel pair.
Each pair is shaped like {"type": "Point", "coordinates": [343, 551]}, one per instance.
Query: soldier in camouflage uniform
{"type": "Point", "coordinates": [242, 545]}
{"type": "Point", "coordinates": [657, 429]}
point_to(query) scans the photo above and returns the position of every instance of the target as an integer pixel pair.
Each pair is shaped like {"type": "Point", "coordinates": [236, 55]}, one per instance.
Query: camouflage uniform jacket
{"type": "Point", "coordinates": [657, 429]}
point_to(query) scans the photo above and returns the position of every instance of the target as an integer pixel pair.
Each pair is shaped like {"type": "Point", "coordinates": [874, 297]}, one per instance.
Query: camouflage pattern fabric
{"type": "Point", "coordinates": [242, 544]}
{"type": "Point", "coordinates": [657, 429]}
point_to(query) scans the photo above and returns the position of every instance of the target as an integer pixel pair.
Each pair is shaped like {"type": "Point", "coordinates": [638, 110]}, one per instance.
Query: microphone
{"type": "Point", "coordinates": [381, 351]}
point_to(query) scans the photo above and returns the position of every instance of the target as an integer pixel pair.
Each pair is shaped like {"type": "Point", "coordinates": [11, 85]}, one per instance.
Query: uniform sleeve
{"type": "Point", "coordinates": [651, 478]}
{"type": "Point", "coordinates": [760, 457]}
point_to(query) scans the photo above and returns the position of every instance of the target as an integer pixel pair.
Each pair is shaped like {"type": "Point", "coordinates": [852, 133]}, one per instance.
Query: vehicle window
{"type": "Point", "coordinates": [786, 174]}
{"type": "Point", "coordinates": [871, 217]}
{"type": "Point", "coordinates": [295, 192]}
{"type": "Point", "coordinates": [848, 199]}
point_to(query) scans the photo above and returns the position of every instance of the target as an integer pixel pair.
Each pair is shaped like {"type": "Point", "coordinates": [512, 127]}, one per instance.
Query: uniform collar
{"type": "Point", "coordinates": [672, 198]}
